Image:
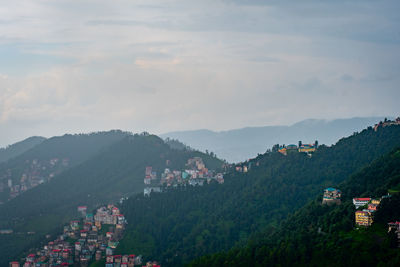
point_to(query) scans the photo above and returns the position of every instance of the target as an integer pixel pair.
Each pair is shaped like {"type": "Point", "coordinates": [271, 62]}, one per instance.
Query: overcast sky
{"type": "Point", "coordinates": [80, 66]}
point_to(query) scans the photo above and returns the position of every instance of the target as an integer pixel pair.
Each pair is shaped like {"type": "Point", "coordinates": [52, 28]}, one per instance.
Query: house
{"type": "Point", "coordinates": [372, 207]}
{"type": "Point", "coordinates": [14, 264]}
{"type": "Point", "coordinates": [361, 201]}
{"type": "Point", "coordinates": [363, 218]}
{"type": "Point", "coordinates": [82, 209]}
{"type": "Point", "coordinates": [74, 225]}
{"type": "Point", "coordinates": [376, 201]}
{"type": "Point", "coordinates": [331, 196]}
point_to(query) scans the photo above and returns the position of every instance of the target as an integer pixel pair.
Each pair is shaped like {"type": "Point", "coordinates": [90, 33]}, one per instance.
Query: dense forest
{"type": "Point", "coordinates": [115, 171]}
{"type": "Point", "coordinates": [180, 225]}
{"type": "Point", "coordinates": [322, 235]}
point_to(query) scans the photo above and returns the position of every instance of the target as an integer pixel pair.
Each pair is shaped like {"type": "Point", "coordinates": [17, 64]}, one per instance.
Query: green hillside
{"type": "Point", "coordinates": [112, 173]}
{"type": "Point", "coordinates": [186, 223]}
{"type": "Point", "coordinates": [321, 235]}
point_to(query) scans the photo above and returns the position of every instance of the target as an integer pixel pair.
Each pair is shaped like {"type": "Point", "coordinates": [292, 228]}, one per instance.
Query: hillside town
{"type": "Point", "coordinates": [35, 172]}
{"type": "Point", "coordinates": [85, 240]}
{"type": "Point", "coordinates": [369, 206]}
{"type": "Point", "coordinates": [365, 209]}
{"type": "Point", "coordinates": [195, 173]}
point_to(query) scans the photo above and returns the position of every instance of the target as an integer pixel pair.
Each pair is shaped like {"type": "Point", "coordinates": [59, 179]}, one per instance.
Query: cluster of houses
{"type": "Point", "coordinates": [36, 172]}
{"type": "Point", "coordinates": [365, 216]}
{"type": "Point", "coordinates": [194, 174]}
{"type": "Point", "coordinates": [304, 148]}
{"type": "Point", "coordinates": [386, 123]}
{"type": "Point", "coordinates": [82, 241]}
{"type": "Point", "coordinates": [244, 167]}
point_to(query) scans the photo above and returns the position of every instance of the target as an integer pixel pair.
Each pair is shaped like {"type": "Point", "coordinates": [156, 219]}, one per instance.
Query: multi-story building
{"type": "Point", "coordinates": [331, 195]}
{"type": "Point", "coordinates": [363, 218]}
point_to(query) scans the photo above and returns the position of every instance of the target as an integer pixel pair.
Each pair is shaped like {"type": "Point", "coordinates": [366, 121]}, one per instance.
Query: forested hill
{"type": "Point", "coordinates": [19, 148]}
{"type": "Point", "coordinates": [112, 173]}
{"type": "Point", "coordinates": [321, 235]}
{"type": "Point", "coordinates": [178, 226]}
{"type": "Point", "coordinates": [50, 158]}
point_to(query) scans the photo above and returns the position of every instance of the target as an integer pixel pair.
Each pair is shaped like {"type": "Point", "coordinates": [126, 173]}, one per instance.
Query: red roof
{"type": "Point", "coordinates": [56, 250]}
{"type": "Point", "coordinates": [31, 255]}
{"type": "Point", "coordinates": [362, 198]}
{"type": "Point", "coordinates": [133, 255]}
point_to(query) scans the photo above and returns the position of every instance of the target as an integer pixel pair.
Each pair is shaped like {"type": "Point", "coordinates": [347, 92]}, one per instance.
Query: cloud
{"type": "Point", "coordinates": [153, 65]}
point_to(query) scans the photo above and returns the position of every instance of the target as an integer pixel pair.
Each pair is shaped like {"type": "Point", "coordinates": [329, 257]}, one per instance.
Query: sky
{"type": "Point", "coordinates": [159, 66]}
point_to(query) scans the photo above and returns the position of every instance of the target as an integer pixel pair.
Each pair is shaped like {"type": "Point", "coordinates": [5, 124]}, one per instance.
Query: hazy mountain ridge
{"type": "Point", "coordinates": [241, 144]}
{"type": "Point", "coordinates": [50, 158]}
{"type": "Point", "coordinates": [19, 148]}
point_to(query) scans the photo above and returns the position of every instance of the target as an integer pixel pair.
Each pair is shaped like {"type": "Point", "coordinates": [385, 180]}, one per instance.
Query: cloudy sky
{"type": "Point", "coordinates": [80, 66]}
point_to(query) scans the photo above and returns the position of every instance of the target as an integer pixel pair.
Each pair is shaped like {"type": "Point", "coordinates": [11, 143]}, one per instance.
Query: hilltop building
{"type": "Point", "coordinates": [304, 148]}
{"type": "Point", "coordinates": [308, 148]}
{"type": "Point", "coordinates": [386, 123]}
{"type": "Point", "coordinates": [331, 196]}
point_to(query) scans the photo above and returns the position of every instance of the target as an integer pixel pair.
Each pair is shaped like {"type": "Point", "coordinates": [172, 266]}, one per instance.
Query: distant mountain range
{"type": "Point", "coordinates": [241, 144]}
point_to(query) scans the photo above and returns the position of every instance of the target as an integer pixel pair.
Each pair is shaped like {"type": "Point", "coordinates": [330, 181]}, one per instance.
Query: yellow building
{"type": "Point", "coordinates": [308, 148]}
{"type": "Point", "coordinates": [363, 218]}
{"type": "Point", "coordinates": [376, 201]}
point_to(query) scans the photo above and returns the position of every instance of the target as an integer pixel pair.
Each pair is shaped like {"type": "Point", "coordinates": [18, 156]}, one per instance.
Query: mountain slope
{"type": "Point", "coordinates": [50, 158]}
{"type": "Point", "coordinates": [321, 235]}
{"type": "Point", "coordinates": [19, 148]}
{"type": "Point", "coordinates": [177, 226]}
{"type": "Point", "coordinates": [115, 171]}
{"type": "Point", "coordinates": [241, 144]}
